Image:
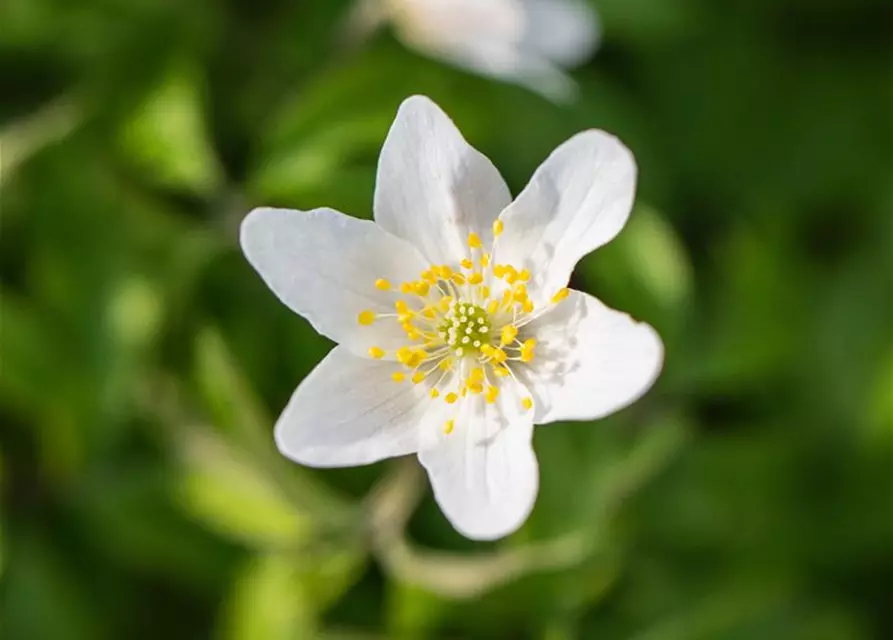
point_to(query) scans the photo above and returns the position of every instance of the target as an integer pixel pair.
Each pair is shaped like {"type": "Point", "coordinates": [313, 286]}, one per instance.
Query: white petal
{"type": "Point", "coordinates": [433, 188]}
{"type": "Point", "coordinates": [324, 264]}
{"type": "Point", "coordinates": [349, 411]}
{"type": "Point", "coordinates": [576, 201]}
{"type": "Point", "coordinates": [484, 474]}
{"type": "Point", "coordinates": [590, 360]}
{"type": "Point", "coordinates": [562, 31]}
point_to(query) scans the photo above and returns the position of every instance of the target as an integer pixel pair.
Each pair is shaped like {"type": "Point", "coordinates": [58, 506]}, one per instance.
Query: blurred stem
{"type": "Point", "coordinates": [389, 507]}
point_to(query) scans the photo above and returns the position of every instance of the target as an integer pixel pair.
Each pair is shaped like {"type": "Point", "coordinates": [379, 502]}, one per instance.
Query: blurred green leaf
{"type": "Point", "coordinates": [281, 596]}
{"type": "Point", "coordinates": [21, 139]}
{"type": "Point", "coordinates": [167, 136]}
{"type": "Point", "coordinates": [231, 497]}
{"type": "Point", "coordinates": [267, 601]}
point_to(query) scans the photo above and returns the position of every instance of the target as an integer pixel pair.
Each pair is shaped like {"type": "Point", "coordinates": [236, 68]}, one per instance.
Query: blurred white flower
{"type": "Point", "coordinates": [527, 42]}
{"type": "Point", "coordinates": [456, 332]}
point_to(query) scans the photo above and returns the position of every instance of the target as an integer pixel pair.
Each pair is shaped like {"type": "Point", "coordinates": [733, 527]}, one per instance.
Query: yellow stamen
{"type": "Point", "coordinates": [406, 287]}
{"type": "Point", "coordinates": [434, 392]}
{"type": "Point", "coordinates": [458, 278]}
{"type": "Point", "coordinates": [500, 371]}
{"type": "Point", "coordinates": [382, 284]}
{"type": "Point", "coordinates": [475, 387]}
{"type": "Point", "coordinates": [499, 270]}
{"type": "Point", "coordinates": [524, 275]}
{"type": "Point", "coordinates": [527, 307]}
{"type": "Point", "coordinates": [475, 278]}
{"type": "Point", "coordinates": [474, 240]}
{"type": "Point", "coordinates": [418, 377]}
{"type": "Point", "coordinates": [448, 427]}
{"type": "Point", "coordinates": [401, 306]}
{"type": "Point", "coordinates": [398, 376]}
{"type": "Point", "coordinates": [561, 295]}
{"type": "Point", "coordinates": [467, 264]}
{"type": "Point", "coordinates": [404, 355]}
{"type": "Point", "coordinates": [509, 333]}
{"type": "Point", "coordinates": [492, 392]}
{"type": "Point", "coordinates": [446, 364]}
{"type": "Point", "coordinates": [498, 228]}
{"type": "Point", "coordinates": [421, 288]}
{"type": "Point", "coordinates": [451, 398]}
{"type": "Point", "coordinates": [527, 403]}
{"type": "Point", "coordinates": [366, 317]}
{"type": "Point", "coordinates": [493, 307]}
{"type": "Point", "coordinates": [476, 375]}
{"type": "Point", "coordinates": [485, 261]}
{"type": "Point", "coordinates": [376, 352]}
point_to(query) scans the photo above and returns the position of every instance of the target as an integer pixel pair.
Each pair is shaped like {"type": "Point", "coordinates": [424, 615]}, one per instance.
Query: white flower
{"type": "Point", "coordinates": [527, 42]}
{"type": "Point", "coordinates": [456, 332]}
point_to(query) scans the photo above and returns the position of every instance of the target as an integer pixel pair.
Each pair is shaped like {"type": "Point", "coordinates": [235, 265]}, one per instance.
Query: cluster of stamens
{"type": "Point", "coordinates": [465, 325]}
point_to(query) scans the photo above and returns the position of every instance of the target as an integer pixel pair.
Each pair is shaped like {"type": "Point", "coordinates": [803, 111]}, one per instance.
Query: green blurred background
{"type": "Point", "coordinates": [142, 362]}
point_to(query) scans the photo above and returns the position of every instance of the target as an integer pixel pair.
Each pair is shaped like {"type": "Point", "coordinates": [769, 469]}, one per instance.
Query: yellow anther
{"type": "Point", "coordinates": [448, 427]}
{"type": "Point", "coordinates": [444, 271]}
{"type": "Point", "coordinates": [401, 306]}
{"type": "Point", "coordinates": [499, 270]}
{"type": "Point", "coordinates": [475, 278]}
{"type": "Point", "coordinates": [507, 299]}
{"type": "Point", "coordinates": [411, 332]}
{"type": "Point", "coordinates": [499, 355]}
{"type": "Point", "coordinates": [421, 288]}
{"type": "Point", "coordinates": [451, 398]}
{"type": "Point", "coordinates": [382, 284]}
{"type": "Point", "coordinates": [492, 392]}
{"type": "Point", "coordinates": [467, 263]}
{"type": "Point", "coordinates": [406, 287]}
{"type": "Point", "coordinates": [527, 403]}
{"type": "Point", "coordinates": [418, 377]}
{"type": "Point", "coordinates": [366, 317]}
{"type": "Point", "coordinates": [476, 375]}
{"type": "Point", "coordinates": [561, 295]}
{"type": "Point", "coordinates": [524, 275]}
{"type": "Point", "coordinates": [500, 371]}
{"type": "Point", "coordinates": [485, 292]}
{"type": "Point", "coordinates": [434, 392]}
{"type": "Point", "coordinates": [445, 303]}
{"type": "Point", "coordinates": [474, 240]}
{"type": "Point", "coordinates": [376, 352]}
{"type": "Point", "coordinates": [458, 278]}
{"type": "Point", "coordinates": [511, 274]}
{"type": "Point", "coordinates": [493, 307]}
{"type": "Point", "coordinates": [405, 317]}
{"type": "Point", "coordinates": [485, 260]}
{"type": "Point", "coordinates": [398, 376]}
{"type": "Point", "coordinates": [429, 276]}
{"type": "Point", "coordinates": [429, 312]}
{"type": "Point", "coordinates": [476, 387]}
{"type": "Point", "coordinates": [404, 355]}
{"type": "Point", "coordinates": [527, 350]}
{"type": "Point", "coordinates": [446, 364]}
{"type": "Point", "coordinates": [509, 333]}
{"type": "Point", "coordinates": [498, 227]}
{"type": "Point", "coordinates": [527, 307]}
{"type": "Point", "coordinates": [520, 293]}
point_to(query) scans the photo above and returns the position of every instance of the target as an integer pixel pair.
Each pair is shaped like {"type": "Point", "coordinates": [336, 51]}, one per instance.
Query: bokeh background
{"type": "Point", "coordinates": [142, 362]}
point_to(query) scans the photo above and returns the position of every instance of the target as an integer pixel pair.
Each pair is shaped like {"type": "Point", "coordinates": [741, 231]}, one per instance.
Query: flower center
{"type": "Point", "coordinates": [465, 324]}
{"type": "Point", "coordinates": [465, 328]}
